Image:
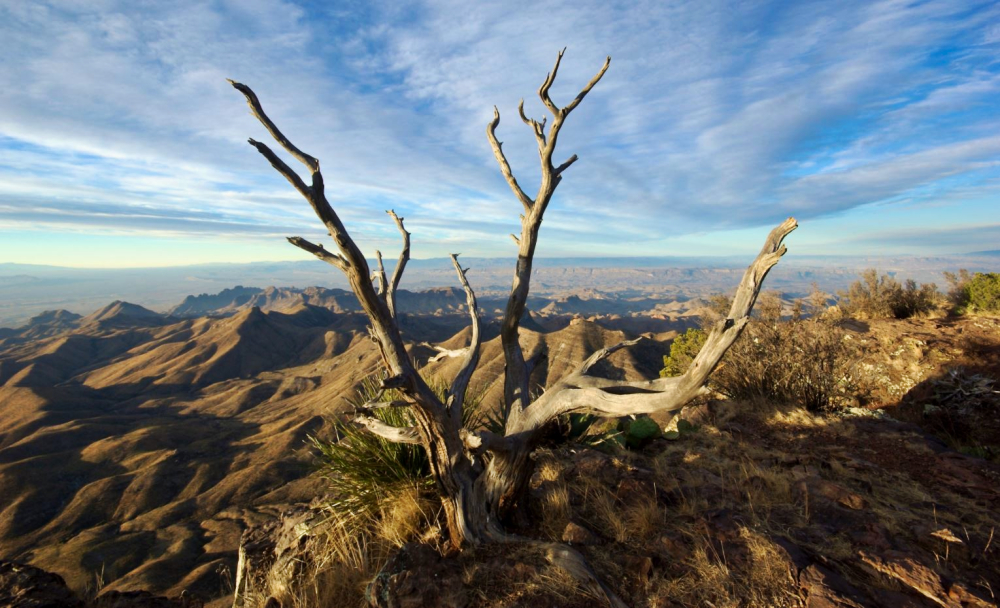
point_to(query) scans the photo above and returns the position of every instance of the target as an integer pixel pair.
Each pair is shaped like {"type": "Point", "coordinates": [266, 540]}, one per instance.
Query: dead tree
{"type": "Point", "coordinates": [481, 475]}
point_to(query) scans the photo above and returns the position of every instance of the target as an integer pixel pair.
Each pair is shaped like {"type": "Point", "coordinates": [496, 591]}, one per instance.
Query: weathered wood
{"type": "Point", "coordinates": [459, 386]}
{"type": "Point", "coordinates": [482, 475]}
{"type": "Point", "coordinates": [516, 372]}
{"type": "Point", "coordinates": [434, 425]}
{"type": "Point", "coordinates": [404, 257]}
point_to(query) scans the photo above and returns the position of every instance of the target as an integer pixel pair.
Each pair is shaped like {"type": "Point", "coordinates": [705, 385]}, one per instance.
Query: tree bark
{"type": "Point", "coordinates": [481, 475]}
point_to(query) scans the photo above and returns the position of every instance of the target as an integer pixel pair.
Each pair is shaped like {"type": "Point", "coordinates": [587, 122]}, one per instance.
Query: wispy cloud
{"type": "Point", "coordinates": [714, 116]}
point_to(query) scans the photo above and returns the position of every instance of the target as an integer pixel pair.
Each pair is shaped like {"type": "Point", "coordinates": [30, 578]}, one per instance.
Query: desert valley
{"type": "Point", "coordinates": [136, 447]}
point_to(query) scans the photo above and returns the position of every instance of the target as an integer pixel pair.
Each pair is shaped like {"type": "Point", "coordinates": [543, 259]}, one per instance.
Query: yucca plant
{"type": "Point", "coordinates": [364, 470]}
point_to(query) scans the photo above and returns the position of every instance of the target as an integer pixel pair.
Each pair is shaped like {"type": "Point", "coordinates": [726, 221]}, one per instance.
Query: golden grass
{"type": "Point", "coordinates": [405, 517]}
{"type": "Point", "coordinates": [345, 556]}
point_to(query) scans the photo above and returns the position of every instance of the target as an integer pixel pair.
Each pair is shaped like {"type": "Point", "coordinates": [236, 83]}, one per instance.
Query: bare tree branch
{"type": "Point", "coordinates": [543, 91]}
{"type": "Point", "coordinates": [460, 384]}
{"type": "Point", "coordinates": [404, 257]}
{"type": "Point", "coordinates": [582, 393]}
{"type": "Point", "coordinates": [282, 168]}
{"type": "Point", "coordinates": [380, 276]}
{"type": "Point", "coordinates": [318, 251]}
{"type": "Point", "coordinates": [590, 85]}
{"type": "Point", "coordinates": [516, 376]}
{"type": "Point", "coordinates": [429, 410]}
{"type": "Point", "coordinates": [538, 128]}
{"type": "Point", "coordinates": [446, 353]}
{"type": "Point", "coordinates": [565, 165]}
{"type": "Point", "coordinates": [483, 441]}
{"type": "Point", "coordinates": [502, 160]}
{"type": "Point", "coordinates": [602, 354]}
{"type": "Point", "coordinates": [258, 112]}
{"type": "Point", "coordinates": [395, 434]}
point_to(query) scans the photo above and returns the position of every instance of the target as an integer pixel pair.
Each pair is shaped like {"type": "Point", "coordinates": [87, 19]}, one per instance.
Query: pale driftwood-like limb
{"type": "Point", "coordinates": [381, 405]}
{"type": "Point", "coordinates": [483, 441]}
{"type": "Point", "coordinates": [446, 353]}
{"type": "Point", "coordinates": [602, 354]}
{"type": "Point", "coordinates": [317, 250]}
{"type": "Point", "coordinates": [459, 386]}
{"type": "Point", "coordinates": [380, 276]}
{"type": "Point", "coordinates": [582, 393]}
{"type": "Point", "coordinates": [404, 257]}
{"type": "Point", "coordinates": [516, 377]}
{"type": "Point", "coordinates": [395, 434]}
{"type": "Point", "coordinates": [497, 146]}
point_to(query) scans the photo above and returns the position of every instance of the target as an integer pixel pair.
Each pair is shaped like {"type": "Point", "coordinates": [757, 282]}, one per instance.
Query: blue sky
{"type": "Point", "coordinates": [877, 124]}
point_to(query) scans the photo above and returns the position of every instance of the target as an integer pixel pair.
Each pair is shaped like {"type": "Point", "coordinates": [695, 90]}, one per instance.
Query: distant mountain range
{"type": "Point", "coordinates": [31, 289]}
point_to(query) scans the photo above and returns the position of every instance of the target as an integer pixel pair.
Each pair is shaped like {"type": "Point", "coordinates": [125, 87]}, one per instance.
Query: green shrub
{"type": "Point", "coordinates": [984, 292]}
{"type": "Point", "coordinates": [683, 350]}
{"type": "Point", "coordinates": [979, 292]}
{"type": "Point", "coordinates": [883, 297]}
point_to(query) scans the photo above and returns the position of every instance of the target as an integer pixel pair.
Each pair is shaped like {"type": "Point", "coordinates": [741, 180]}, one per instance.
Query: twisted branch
{"type": "Point", "coordinates": [404, 257]}
{"type": "Point", "coordinates": [517, 372]}
{"type": "Point", "coordinates": [580, 392]}
{"type": "Point", "coordinates": [502, 161]}
{"type": "Point", "coordinates": [460, 385]}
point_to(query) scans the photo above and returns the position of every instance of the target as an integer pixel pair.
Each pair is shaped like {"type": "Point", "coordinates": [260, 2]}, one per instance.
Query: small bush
{"type": "Point", "coordinates": [978, 292]}
{"type": "Point", "coordinates": [683, 350]}
{"type": "Point", "coordinates": [883, 297]}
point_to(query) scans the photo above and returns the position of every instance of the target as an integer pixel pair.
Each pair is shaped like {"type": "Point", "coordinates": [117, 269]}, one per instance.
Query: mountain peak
{"type": "Point", "coordinates": [120, 309]}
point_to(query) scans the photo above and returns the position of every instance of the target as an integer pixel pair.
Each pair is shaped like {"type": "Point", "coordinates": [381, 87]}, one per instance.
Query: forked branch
{"type": "Point", "coordinates": [404, 257]}
{"type": "Point", "coordinates": [517, 372]}
{"type": "Point", "coordinates": [456, 394]}
{"type": "Point", "coordinates": [583, 393]}
{"type": "Point", "coordinates": [497, 145]}
{"type": "Point", "coordinates": [543, 91]}
{"type": "Point", "coordinates": [258, 111]}
{"type": "Point", "coordinates": [352, 262]}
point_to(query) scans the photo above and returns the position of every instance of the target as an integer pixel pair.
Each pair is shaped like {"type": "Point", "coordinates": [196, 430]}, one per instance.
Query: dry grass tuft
{"type": "Point", "coordinates": [405, 517]}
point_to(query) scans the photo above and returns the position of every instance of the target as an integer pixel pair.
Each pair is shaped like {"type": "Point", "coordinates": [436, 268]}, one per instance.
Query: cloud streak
{"type": "Point", "coordinates": [714, 116]}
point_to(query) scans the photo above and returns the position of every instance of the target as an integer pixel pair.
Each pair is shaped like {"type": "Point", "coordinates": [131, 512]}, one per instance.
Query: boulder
{"type": "Point", "coordinates": [23, 586]}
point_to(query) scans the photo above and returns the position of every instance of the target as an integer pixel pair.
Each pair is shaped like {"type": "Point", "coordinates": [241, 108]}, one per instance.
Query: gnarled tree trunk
{"type": "Point", "coordinates": [481, 475]}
